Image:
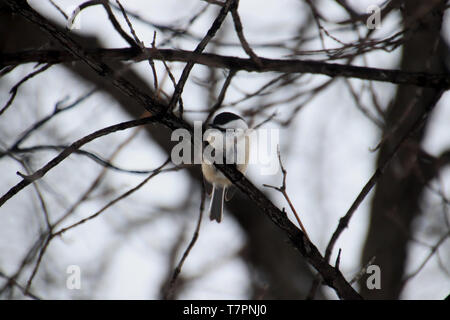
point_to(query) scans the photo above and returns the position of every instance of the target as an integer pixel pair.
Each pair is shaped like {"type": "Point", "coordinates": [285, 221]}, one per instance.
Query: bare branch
{"type": "Point", "coordinates": [66, 152]}
{"type": "Point", "coordinates": [90, 155]}
{"type": "Point", "coordinates": [221, 96]}
{"type": "Point", "coordinates": [199, 49]}
{"type": "Point", "coordinates": [114, 201]}
{"type": "Point", "coordinates": [14, 89]}
{"type": "Point", "coordinates": [171, 289]}
{"type": "Point", "coordinates": [282, 189]}
{"type": "Point", "coordinates": [239, 31]}
{"type": "Point", "coordinates": [111, 17]}
{"type": "Point", "coordinates": [21, 288]}
{"type": "Point", "coordinates": [433, 250]}
{"type": "Point", "coordinates": [421, 79]}
{"type": "Point", "coordinates": [58, 109]}
{"type": "Point", "coordinates": [343, 222]}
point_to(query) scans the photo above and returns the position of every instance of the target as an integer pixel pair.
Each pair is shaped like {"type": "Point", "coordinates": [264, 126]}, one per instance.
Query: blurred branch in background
{"type": "Point", "coordinates": [397, 199]}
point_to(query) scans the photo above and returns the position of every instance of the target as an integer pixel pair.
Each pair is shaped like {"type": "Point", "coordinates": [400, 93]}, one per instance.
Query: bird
{"type": "Point", "coordinates": [228, 136]}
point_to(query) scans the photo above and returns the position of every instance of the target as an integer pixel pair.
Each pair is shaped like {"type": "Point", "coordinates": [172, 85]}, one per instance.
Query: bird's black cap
{"type": "Point", "coordinates": [225, 117]}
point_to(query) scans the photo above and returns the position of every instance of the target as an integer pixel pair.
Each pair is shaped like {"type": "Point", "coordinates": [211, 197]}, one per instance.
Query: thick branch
{"type": "Point", "coordinates": [420, 79]}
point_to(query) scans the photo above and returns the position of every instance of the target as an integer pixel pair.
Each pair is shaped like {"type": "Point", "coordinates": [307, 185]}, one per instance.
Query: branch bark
{"type": "Point", "coordinates": [421, 79]}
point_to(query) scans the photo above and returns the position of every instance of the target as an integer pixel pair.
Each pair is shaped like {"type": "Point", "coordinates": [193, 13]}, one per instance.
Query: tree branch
{"type": "Point", "coordinates": [421, 79]}
{"type": "Point", "coordinates": [26, 180]}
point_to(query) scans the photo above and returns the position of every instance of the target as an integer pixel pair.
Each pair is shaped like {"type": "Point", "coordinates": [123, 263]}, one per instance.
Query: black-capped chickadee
{"type": "Point", "coordinates": [228, 136]}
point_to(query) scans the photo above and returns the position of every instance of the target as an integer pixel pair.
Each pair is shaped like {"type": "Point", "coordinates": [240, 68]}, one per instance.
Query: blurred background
{"type": "Point", "coordinates": [333, 134]}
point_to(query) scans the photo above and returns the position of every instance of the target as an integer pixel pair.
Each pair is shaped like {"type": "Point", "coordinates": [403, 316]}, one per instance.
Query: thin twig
{"type": "Point", "coordinates": [221, 96]}
{"type": "Point", "coordinates": [114, 201]}
{"type": "Point", "coordinates": [27, 179]}
{"type": "Point", "coordinates": [59, 9]}
{"type": "Point", "coordinates": [200, 47]}
{"type": "Point", "coordinates": [51, 235]}
{"type": "Point", "coordinates": [338, 259]}
{"type": "Point", "coordinates": [171, 289]}
{"type": "Point", "coordinates": [268, 119]}
{"type": "Point", "coordinates": [98, 179]}
{"type": "Point", "coordinates": [429, 256]}
{"type": "Point", "coordinates": [130, 25]}
{"type": "Point", "coordinates": [111, 17]}
{"type": "Point", "coordinates": [283, 191]}
{"type": "Point", "coordinates": [240, 33]}
{"type": "Point", "coordinates": [343, 222]}
{"type": "Point", "coordinates": [44, 120]}
{"type": "Point", "coordinates": [21, 288]}
{"type": "Point", "coordinates": [90, 155]}
{"type": "Point", "coordinates": [14, 89]}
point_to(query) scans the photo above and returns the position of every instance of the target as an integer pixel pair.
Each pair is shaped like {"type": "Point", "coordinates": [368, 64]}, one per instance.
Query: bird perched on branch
{"type": "Point", "coordinates": [228, 138]}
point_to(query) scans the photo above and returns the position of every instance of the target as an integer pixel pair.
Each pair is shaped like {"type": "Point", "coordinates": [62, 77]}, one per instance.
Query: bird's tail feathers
{"type": "Point", "coordinates": [216, 206]}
